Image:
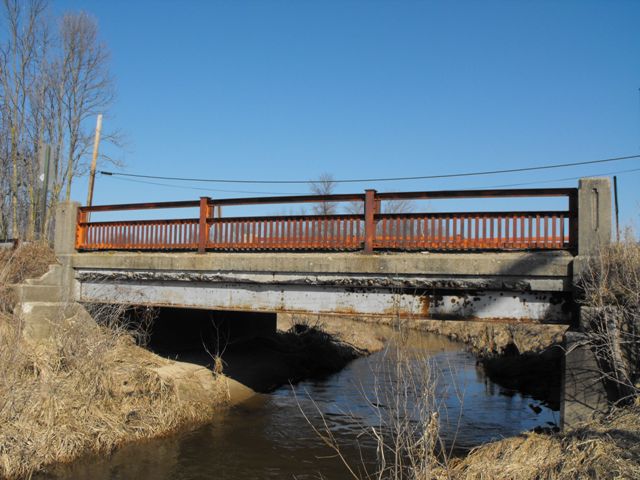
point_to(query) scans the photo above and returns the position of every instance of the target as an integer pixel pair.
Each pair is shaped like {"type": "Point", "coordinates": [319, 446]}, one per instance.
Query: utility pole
{"type": "Point", "coordinates": [94, 160]}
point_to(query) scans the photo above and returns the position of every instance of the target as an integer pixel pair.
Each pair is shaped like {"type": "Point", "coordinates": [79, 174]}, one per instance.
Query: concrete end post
{"type": "Point", "coordinates": [65, 244]}
{"type": "Point", "coordinates": [594, 215]}
{"type": "Point", "coordinates": [65, 233]}
{"type": "Point", "coordinates": [594, 221]}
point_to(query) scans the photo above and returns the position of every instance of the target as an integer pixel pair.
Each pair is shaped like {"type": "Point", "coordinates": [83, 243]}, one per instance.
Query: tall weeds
{"type": "Point", "coordinates": [405, 433]}
{"type": "Point", "coordinates": [611, 292]}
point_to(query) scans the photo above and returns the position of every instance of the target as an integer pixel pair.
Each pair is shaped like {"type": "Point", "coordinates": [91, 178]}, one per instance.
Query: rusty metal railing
{"type": "Point", "coordinates": [372, 230]}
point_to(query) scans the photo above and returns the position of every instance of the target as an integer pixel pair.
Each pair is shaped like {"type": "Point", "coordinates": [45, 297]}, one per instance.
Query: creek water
{"type": "Point", "coordinates": [269, 437]}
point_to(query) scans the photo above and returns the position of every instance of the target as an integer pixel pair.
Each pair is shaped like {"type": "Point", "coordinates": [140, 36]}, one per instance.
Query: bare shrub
{"type": "Point", "coordinates": [610, 285]}
{"type": "Point", "coordinates": [406, 432]}
{"type": "Point", "coordinates": [132, 320]}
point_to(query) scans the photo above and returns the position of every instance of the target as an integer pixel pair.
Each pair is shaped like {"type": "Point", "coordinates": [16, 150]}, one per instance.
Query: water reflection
{"type": "Point", "coordinates": [268, 436]}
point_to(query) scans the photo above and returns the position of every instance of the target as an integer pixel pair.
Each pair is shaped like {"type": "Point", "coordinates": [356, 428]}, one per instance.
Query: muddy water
{"type": "Point", "coordinates": [268, 436]}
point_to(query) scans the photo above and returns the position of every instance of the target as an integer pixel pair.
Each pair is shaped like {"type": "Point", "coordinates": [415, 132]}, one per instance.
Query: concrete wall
{"type": "Point", "coordinates": [584, 392]}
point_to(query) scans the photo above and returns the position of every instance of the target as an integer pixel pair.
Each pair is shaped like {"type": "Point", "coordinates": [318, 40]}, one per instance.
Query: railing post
{"type": "Point", "coordinates": [203, 230]}
{"type": "Point", "coordinates": [81, 231]}
{"type": "Point", "coordinates": [369, 220]}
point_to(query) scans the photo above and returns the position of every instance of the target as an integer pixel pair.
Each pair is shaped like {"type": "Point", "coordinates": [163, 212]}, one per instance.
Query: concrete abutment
{"type": "Point", "coordinates": [584, 391]}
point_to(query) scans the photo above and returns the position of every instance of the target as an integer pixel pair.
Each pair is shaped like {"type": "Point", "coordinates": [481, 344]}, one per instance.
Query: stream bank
{"type": "Point", "coordinates": [267, 436]}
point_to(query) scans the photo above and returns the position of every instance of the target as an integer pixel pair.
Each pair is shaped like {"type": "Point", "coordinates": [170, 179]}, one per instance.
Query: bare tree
{"type": "Point", "coordinates": [19, 57]}
{"type": "Point", "coordinates": [388, 206]}
{"type": "Point", "coordinates": [354, 208]}
{"type": "Point", "coordinates": [325, 185]}
{"type": "Point", "coordinates": [51, 88]}
{"type": "Point", "coordinates": [87, 86]}
{"type": "Point", "coordinates": [398, 206]}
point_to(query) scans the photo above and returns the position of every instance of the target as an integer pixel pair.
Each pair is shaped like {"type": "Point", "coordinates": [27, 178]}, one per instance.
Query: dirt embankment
{"type": "Point", "coordinates": [608, 447]}
{"type": "Point", "coordinates": [89, 388]}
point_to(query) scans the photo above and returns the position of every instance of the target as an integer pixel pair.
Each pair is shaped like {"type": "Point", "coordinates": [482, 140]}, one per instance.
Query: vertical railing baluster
{"type": "Point", "coordinates": [546, 231]}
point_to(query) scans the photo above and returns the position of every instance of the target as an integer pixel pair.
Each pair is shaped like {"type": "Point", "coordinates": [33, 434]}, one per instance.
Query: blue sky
{"type": "Point", "coordinates": [292, 89]}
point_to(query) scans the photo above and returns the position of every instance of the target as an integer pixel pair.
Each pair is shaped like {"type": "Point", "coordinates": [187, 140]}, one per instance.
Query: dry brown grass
{"type": "Point", "coordinates": [606, 448]}
{"type": "Point", "coordinates": [85, 390]}
{"type": "Point", "coordinates": [29, 260]}
{"type": "Point", "coordinates": [88, 388]}
{"type": "Point", "coordinates": [611, 288]}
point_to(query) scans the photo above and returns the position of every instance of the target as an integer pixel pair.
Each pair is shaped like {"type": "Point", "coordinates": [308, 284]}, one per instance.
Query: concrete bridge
{"type": "Point", "coordinates": [506, 266]}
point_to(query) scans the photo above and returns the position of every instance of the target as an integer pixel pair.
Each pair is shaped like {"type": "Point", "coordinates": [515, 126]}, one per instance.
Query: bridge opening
{"type": "Point", "coordinates": [181, 333]}
{"type": "Point", "coordinates": [254, 349]}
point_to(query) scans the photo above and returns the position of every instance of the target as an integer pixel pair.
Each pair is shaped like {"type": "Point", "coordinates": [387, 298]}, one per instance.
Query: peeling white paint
{"type": "Point", "coordinates": [314, 299]}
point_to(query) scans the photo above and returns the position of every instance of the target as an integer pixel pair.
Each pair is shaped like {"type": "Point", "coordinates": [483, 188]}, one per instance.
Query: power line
{"type": "Point", "coordinates": [603, 174]}
{"type": "Point", "coordinates": [371, 180]}
{"type": "Point", "coordinates": [508, 185]}
{"type": "Point", "coordinates": [205, 189]}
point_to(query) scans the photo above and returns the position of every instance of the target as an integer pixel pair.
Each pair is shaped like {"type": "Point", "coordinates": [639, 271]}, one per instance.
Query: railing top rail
{"type": "Point", "coordinates": [161, 221]}
{"type": "Point", "coordinates": [140, 206]}
{"type": "Point", "coordinates": [436, 194]}
{"type": "Point", "coordinates": [486, 193]}
{"type": "Point", "coordinates": [497, 213]}
{"type": "Point", "coordinates": [347, 216]}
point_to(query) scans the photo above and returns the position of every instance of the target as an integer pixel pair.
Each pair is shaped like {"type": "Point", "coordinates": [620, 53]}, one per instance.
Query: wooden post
{"type": "Point", "coordinates": [45, 152]}
{"type": "Point", "coordinates": [615, 196]}
{"type": "Point", "coordinates": [203, 231]}
{"type": "Point", "coordinates": [94, 160]}
{"type": "Point", "coordinates": [369, 220]}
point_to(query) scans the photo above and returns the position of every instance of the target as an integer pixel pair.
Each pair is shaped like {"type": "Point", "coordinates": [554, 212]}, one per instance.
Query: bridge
{"type": "Point", "coordinates": [500, 266]}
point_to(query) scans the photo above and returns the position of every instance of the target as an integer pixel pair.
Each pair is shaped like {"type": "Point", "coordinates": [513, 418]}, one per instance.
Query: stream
{"type": "Point", "coordinates": [269, 437]}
